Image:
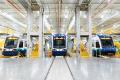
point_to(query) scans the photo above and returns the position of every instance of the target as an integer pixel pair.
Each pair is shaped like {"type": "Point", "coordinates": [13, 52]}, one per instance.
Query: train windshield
{"type": "Point", "coordinates": [59, 42]}
{"type": "Point", "coordinates": [11, 42]}
{"type": "Point", "coordinates": [106, 42]}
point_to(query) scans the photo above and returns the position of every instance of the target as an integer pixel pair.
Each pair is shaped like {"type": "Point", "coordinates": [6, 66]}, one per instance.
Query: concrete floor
{"type": "Point", "coordinates": [24, 69]}
{"type": "Point", "coordinates": [60, 69]}
{"type": "Point", "coordinates": [95, 68]}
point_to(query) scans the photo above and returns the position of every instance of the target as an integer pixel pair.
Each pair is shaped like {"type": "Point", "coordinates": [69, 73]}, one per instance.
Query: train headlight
{"type": "Point", "coordinates": [60, 49]}
{"type": "Point", "coordinates": [8, 49]}
{"type": "Point", "coordinates": [57, 49]}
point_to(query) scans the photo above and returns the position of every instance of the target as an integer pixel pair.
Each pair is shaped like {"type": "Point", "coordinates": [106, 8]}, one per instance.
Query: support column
{"type": "Point", "coordinates": [40, 33]}
{"type": "Point", "coordinates": [29, 26]}
{"type": "Point", "coordinates": [90, 30]}
{"type": "Point", "coordinates": [77, 24]}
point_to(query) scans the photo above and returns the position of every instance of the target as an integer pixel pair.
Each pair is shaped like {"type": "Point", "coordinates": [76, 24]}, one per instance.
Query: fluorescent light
{"type": "Point", "coordinates": [12, 18]}
{"type": "Point", "coordinates": [107, 14]}
{"type": "Point", "coordinates": [116, 26]}
{"type": "Point", "coordinates": [66, 16]}
{"type": "Point", "coordinates": [66, 12]}
{"type": "Point", "coordinates": [46, 22]}
{"type": "Point", "coordinates": [108, 1]}
{"type": "Point", "coordinates": [72, 23]}
{"type": "Point", "coordinates": [102, 16]}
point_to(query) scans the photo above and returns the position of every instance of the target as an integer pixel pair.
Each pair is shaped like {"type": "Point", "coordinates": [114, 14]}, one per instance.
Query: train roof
{"type": "Point", "coordinates": [103, 36]}
{"type": "Point", "coordinates": [59, 35]}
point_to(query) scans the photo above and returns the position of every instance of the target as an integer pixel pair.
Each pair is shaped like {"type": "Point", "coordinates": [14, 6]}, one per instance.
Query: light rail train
{"type": "Point", "coordinates": [59, 45]}
{"type": "Point", "coordinates": [103, 45]}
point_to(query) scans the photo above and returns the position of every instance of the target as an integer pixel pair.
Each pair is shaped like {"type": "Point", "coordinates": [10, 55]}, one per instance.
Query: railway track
{"type": "Point", "coordinates": [55, 66]}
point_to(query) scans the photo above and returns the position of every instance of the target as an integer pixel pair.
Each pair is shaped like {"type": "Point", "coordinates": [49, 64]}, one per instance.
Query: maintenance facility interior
{"type": "Point", "coordinates": [59, 40]}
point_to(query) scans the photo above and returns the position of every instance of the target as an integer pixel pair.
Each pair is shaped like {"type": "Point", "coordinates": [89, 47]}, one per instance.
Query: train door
{"type": "Point", "coordinates": [22, 48]}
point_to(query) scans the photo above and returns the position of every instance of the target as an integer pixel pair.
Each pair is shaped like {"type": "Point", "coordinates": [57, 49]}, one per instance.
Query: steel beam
{"type": "Point", "coordinates": [29, 27]}
{"type": "Point", "coordinates": [77, 24]}
{"type": "Point", "coordinates": [41, 53]}
{"type": "Point", "coordinates": [90, 30]}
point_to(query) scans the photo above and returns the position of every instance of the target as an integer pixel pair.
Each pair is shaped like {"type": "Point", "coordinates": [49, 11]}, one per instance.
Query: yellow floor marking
{"type": "Point", "coordinates": [1, 56]}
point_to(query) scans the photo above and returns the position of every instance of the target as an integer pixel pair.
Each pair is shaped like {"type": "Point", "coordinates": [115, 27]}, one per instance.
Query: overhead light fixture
{"type": "Point", "coordinates": [66, 12]}
{"type": "Point", "coordinates": [116, 26]}
{"type": "Point", "coordinates": [66, 16]}
{"type": "Point", "coordinates": [109, 1]}
{"type": "Point", "coordinates": [11, 18]}
{"type": "Point", "coordinates": [46, 22]}
{"type": "Point", "coordinates": [46, 16]}
{"type": "Point", "coordinates": [108, 14]}
{"type": "Point", "coordinates": [72, 23]}
{"type": "Point", "coordinates": [102, 16]}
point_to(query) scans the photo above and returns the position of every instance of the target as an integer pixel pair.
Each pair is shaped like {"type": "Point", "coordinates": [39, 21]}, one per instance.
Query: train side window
{"type": "Point", "coordinates": [21, 44]}
{"type": "Point", "coordinates": [97, 45]}
{"type": "Point", "coordinates": [25, 43]}
{"type": "Point", "coordinates": [92, 44]}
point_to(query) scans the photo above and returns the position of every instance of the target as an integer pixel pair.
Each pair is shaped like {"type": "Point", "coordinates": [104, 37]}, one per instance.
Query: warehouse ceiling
{"type": "Point", "coordinates": [59, 15]}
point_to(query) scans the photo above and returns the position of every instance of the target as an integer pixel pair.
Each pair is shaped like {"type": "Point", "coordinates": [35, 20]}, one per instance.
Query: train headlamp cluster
{"type": "Point", "coordinates": [59, 49]}
{"type": "Point", "coordinates": [8, 49]}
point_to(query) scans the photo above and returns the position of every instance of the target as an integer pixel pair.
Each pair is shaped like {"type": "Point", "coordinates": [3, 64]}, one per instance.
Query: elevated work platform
{"type": "Point", "coordinates": [83, 51]}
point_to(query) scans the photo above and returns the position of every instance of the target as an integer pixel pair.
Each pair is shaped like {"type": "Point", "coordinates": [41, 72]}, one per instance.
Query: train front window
{"type": "Point", "coordinates": [59, 43]}
{"type": "Point", "coordinates": [11, 43]}
{"type": "Point", "coordinates": [106, 42]}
